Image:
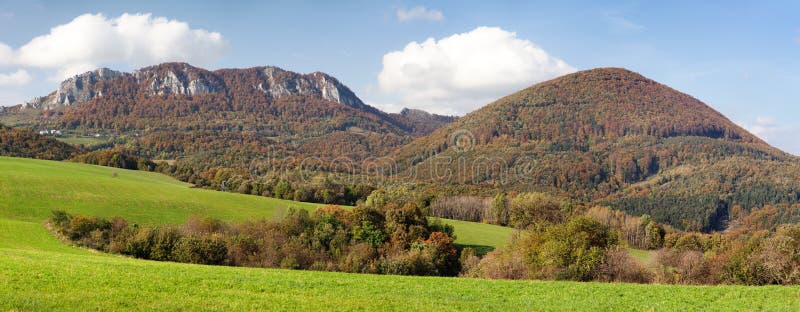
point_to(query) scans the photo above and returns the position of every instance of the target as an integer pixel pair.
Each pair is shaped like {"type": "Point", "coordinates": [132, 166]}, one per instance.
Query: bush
{"type": "Point", "coordinates": [501, 264]}
{"type": "Point", "coordinates": [688, 267]}
{"type": "Point", "coordinates": [530, 208]}
{"type": "Point", "coordinates": [81, 226]}
{"type": "Point", "coordinates": [393, 239]}
{"type": "Point", "coordinates": [469, 262]}
{"type": "Point", "coordinates": [369, 233]}
{"type": "Point", "coordinates": [360, 258]}
{"type": "Point", "coordinates": [139, 243]}
{"type": "Point", "coordinates": [162, 243]}
{"type": "Point", "coordinates": [568, 251]}
{"type": "Point", "coordinates": [619, 266]}
{"type": "Point", "coordinates": [210, 250]}
{"type": "Point", "coordinates": [60, 220]}
{"type": "Point", "coordinates": [203, 225]}
{"type": "Point", "coordinates": [413, 262]}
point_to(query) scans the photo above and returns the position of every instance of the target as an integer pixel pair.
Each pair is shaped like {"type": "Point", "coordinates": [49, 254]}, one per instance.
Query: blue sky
{"type": "Point", "coordinates": [742, 58]}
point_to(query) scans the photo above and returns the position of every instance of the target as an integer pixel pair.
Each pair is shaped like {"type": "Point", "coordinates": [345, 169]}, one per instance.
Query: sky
{"type": "Point", "coordinates": [449, 57]}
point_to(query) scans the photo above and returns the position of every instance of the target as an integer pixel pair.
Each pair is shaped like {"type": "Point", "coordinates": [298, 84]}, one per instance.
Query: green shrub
{"type": "Point", "coordinates": [210, 250]}
{"type": "Point", "coordinates": [163, 242]}
{"type": "Point", "coordinates": [530, 208]}
{"type": "Point", "coordinates": [369, 233]}
{"type": "Point", "coordinates": [568, 251]}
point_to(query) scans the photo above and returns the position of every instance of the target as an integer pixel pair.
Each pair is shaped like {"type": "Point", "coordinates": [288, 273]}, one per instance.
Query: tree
{"type": "Point", "coordinates": [500, 214]}
{"type": "Point", "coordinates": [654, 235]}
{"type": "Point", "coordinates": [530, 208]}
{"type": "Point", "coordinates": [568, 251]}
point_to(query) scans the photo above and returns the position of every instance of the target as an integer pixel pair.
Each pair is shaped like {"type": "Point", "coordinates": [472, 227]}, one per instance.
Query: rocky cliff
{"type": "Point", "coordinates": [184, 79]}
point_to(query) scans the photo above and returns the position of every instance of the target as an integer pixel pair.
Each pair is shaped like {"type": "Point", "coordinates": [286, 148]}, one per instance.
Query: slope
{"type": "Point", "coordinates": [25, 143]}
{"type": "Point", "coordinates": [31, 189]}
{"type": "Point", "coordinates": [206, 121]}
{"type": "Point", "coordinates": [614, 137]}
{"type": "Point", "coordinates": [38, 272]}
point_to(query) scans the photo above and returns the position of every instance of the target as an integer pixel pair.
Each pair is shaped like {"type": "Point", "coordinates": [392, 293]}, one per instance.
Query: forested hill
{"type": "Point", "coordinates": [614, 137]}
{"type": "Point", "coordinates": [26, 143]}
{"type": "Point", "coordinates": [175, 110]}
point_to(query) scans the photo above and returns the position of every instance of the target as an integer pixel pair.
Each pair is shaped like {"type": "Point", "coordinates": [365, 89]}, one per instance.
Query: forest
{"type": "Point", "coordinates": [26, 143]}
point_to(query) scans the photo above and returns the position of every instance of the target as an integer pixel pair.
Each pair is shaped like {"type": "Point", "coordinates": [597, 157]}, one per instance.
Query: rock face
{"type": "Point", "coordinates": [184, 79]}
{"type": "Point", "coordinates": [77, 89]}
{"type": "Point", "coordinates": [177, 78]}
{"type": "Point", "coordinates": [278, 83]}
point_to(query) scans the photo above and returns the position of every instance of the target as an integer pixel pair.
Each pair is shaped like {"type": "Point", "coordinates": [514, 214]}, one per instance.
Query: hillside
{"type": "Point", "coordinates": [39, 272]}
{"type": "Point", "coordinates": [224, 118]}
{"type": "Point", "coordinates": [422, 122]}
{"type": "Point", "coordinates": [31, 189]}
{"type": "Point", "coordinates": [613, 137]}
{"type": "Point", "coordinates": [26, 143]}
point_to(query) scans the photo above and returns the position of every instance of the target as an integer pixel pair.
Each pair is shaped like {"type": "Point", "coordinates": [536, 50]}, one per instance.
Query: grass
{"type": "Point", "coordinates": [482, 237]}
{"type": "Point", "coordinates": [47, 280]}
{"type": "Point", "coordinates": [31, 189]}
{"type": "Point", "coordinates": [38, 272]}
{"type": "Point", "coordinates": [82, 140]}
{"type": "Point", "coordinates": [642, 255]}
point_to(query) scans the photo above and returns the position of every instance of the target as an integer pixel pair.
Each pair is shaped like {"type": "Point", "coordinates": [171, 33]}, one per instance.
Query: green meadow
{"type": "Point", "coordinates": [39, 272]}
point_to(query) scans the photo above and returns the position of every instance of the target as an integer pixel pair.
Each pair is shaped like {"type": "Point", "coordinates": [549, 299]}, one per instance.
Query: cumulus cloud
{"type": "Point", "coordinates": [15, 79]}
{"type": "Point", "coordinates": [460, 73]}
{"type": "Point", "coordinates": [93, 40]}
{"type": "Point", "coordinates": [775, 133]}
{"type": "Point", "coordinates": [6, 55]}
{"type": "Point", "coordinates": [419, 13]}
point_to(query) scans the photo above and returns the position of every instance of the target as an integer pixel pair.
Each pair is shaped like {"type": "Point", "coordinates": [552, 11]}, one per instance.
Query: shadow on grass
{"type": "Point", "coordinates": [479, 249]}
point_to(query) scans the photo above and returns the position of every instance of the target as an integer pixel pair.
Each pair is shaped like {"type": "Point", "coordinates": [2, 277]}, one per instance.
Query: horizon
{"type": "Point", "coordinates": [439, 57]}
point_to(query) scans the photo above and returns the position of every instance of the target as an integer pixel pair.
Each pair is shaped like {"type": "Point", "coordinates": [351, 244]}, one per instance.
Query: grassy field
{"type": "Point", "coordinates": [82, 140]}
{"type": "Point", "coordinates": [38, 272]}
{"type": "Point", "coordinates": [482, 237]}
{"type": "Point", "coordinates": [31, 189]}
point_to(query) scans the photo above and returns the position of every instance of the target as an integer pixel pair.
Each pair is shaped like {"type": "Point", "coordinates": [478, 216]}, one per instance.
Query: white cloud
{"type": "Point", "coordinates": [419, 12]}
{"type": "Point", "coordinates": [93, 40]}
{"type": "Point", "coordinates": [460, 73]}
{"type": "Point", "coordinates": [777, 134]}
{"type": "Point", "coordinates": [6, 55]}
{"type": "Point", "coordinates": [15, 79]}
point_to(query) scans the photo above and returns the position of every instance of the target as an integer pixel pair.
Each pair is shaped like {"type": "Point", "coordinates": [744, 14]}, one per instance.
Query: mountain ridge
{"type": "Point", "coordinates": [185, 79]}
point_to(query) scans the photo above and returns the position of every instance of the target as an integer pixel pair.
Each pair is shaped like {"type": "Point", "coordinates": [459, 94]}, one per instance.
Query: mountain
{"type": "Point", "coordinates": [422, 122]}
{"type": "Point", "coordinates": [613, 137]}
{"type": "Point", "coordinates": [175, 110]}
{"type": "Point", "coordinates": [77, 89]}
{"type": "Point", "coordinates": [26, 143]}
{"type": "Point", "coordinates": [184, 79]}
